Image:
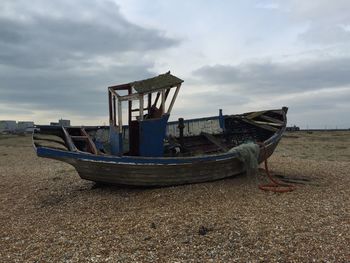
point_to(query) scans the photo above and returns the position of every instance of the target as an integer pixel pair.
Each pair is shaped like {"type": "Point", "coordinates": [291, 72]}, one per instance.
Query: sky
{"type": "Point", "coordinates": [57, 58]}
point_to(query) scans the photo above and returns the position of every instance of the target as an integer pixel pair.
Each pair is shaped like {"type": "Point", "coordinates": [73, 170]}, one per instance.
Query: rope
{"type": "Point", "coordinates": [274, 186]}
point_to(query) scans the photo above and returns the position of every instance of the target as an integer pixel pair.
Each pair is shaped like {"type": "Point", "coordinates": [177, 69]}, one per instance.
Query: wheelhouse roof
{"type": "Point", "coordinates": [156, 83]}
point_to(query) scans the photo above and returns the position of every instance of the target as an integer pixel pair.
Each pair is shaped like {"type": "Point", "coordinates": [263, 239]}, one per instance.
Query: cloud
{"type": "Point", "coordinates": [319, 108]}
{"type": "Point", "coordinates": [267, 5]}
{"type": "Point", "coordinates": [42, 39]}
{"type": "Point", "coordinates": [206, 103]}
{"type": "Point", "coordinates": [316, 91]}
{"type": "Point", "coordinates": [66, 91]}
{"type": "Point", "coordinates": [288, 77]}
{"type": "Point", "coordinates": [61, 55]}
{"type": "Point", "coordinates": [326, 20]}
{"type": "Point", "coordinates": [326, 34]}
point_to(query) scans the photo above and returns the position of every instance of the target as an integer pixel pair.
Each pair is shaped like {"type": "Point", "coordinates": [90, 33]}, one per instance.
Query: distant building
{"type": "Point", "coordinates": [293, 128]}
{"type": "Point", "coordinates": [25, 126]}
{"type": "Point", "coordinates": [8, 126]}
{"type": "Point", "coordinates": [62, 122]}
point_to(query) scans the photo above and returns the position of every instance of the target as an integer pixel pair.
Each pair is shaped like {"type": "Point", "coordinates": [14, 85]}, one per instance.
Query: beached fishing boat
{"type": "Point", "coordinates": [150, 151]}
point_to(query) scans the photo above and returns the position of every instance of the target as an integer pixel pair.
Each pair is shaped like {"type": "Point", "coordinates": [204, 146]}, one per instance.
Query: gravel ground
{"type": "Point", "coordinates": [48, 214]}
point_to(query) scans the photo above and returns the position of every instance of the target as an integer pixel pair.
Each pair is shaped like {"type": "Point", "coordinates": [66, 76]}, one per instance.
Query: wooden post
{"type": "Point", "coordinates": [114, 111]}
{"type": "Point", "coordinates": [173, 99]}
{"type": "Point", "coordinates": [156, 100]}
{"type": "Point", "coordinates": [110, 107]}
{"type": "Point", "coordinates": [130, 105]}
{"type": "Point", "coordinates": [163, 101]}
{"type": "Point", "coordinates": [141, 107]}
{"type": "Point", "coordinates": [120, 116]}
{"type": "Point", "coordinates": [149, 103]}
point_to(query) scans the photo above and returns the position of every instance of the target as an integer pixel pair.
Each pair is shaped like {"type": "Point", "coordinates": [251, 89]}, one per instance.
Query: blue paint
{"type": "Point", "coordinates": [60, 154]}
{"type": "Point", "coordinates": [64, 155]}
{"type": "Point", "coordinates": [152, 134]}
{"type": "Point", "coordinates": [116, 141]}
{"type": "Point", "coordinates": [99, 145]}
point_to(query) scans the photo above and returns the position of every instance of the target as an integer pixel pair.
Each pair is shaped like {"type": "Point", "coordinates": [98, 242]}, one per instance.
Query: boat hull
{"type": "Point", "coordinates": [161, 172]}
{"type": "Point", "coordinates": [165, 171]}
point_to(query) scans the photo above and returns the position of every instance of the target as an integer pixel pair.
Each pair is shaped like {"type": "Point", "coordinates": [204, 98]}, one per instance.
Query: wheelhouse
{"type": "Point", "coordinates": [149, 103]}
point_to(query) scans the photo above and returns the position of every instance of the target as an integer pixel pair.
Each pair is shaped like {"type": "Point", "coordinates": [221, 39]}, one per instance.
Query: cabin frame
{"type": "Point", "coordinates": [156, 90]}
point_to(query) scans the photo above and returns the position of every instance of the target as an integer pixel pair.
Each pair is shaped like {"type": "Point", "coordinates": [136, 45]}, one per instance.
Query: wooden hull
{"type": "Point", "coordinates": [157, 171]}
{"type": "Point", "coordinates": [160, 175]}
{"type": "Point", "coordinates": [127, 172]}
{"type": "Point", "coordinates": [153, 175]}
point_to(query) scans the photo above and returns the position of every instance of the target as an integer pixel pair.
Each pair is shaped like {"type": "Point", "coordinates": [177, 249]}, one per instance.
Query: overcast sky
{"type": "Point", "coordinates": [58, 57]}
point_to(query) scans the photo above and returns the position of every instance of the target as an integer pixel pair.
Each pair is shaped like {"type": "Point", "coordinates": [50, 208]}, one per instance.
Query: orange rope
{"type": "Point", "coordinates": [274, 186]}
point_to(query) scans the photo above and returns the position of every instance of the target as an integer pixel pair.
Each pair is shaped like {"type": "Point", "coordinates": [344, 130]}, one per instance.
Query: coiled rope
{"type": "Point", "coordinates": [274, 185]}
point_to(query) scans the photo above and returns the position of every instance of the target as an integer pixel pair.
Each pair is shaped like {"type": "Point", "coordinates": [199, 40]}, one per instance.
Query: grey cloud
{"type": "Point", "coordinates": [213, 99]}
{"type": "Point", "coordinates": [206, 103]}
{"type": "Point", "coordinates": [44, 40]}
{"type": "Point", "coordinates": [323, 18]}
{"type": "Point", "coordinates": [85, 94]}
{"type": "Point", "coordinates": [279, 77]}
{"type": "Point", "coordinates": [326, 34]}
{"type": "Point", "coordinates": [320, 102]}
{"type": "Point", "coordinates": [53, 53]}
{"type": "Point", "coordinates": [318, 110]}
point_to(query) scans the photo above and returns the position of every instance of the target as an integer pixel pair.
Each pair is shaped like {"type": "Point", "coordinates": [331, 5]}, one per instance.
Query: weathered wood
{"type": "Point", "coordinates": [114, 111]}
{"type": "Point", "coordinates": [173, 99]}
{"type": "Point", "coordinates": [269, 123]}
{"type": "Point", "coordinates": [141, 107]}
{"type": "Point", "coordinates": [49, 137]}
{"type": "Point", "coordinates": [215, 141]}
{"type": "Point", "coordinates": [69, 141]}
{"type": "Point", "coordinates": [146, 175]}
{"type": "Point", "coordinates": [162, 106]}
{"type": "Point", "coordinates": [255, 114]}
{"type": "Point", "coordinates": [120, 117]}
{"type": "Point", "coordinates": [266, 127]}
{"type": "Point", "coordinates": [271, 119]}
{"type": "Point", "coordinates": [90, 142]}
{"type": "Point", "coordinates": [110, 108]}
{"type": "Point", "coordinates": [129, 97]}
{"type": "Point", "coordinates": [148, 171]}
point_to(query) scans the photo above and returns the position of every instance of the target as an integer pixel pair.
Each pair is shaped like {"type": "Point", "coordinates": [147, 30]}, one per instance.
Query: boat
{"type": "Point", "coordinates": [149, 150]}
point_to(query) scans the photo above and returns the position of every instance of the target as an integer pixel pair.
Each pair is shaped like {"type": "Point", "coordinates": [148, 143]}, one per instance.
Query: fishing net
{"type": "Point", "coordinates": [248, 153]}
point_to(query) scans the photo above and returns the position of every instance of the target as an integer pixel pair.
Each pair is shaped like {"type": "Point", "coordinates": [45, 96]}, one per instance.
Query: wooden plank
{"type": "Point", "coordinates": [215, 141]}
{"type": "Point", "coordinates": [91, 143]}
{"type": "Point", "coordinates": [268, 123]}
{"type": "Point", "coordinates": [120, 120]}
{"type": "Point", "coordinates": [110, 108]}
{"type": "Point", "coordinates": [149, 104]}
{"type": "Point", "coordinates": [71, 145]}
{"type": "Point", "coordinates": [174, 98]}
{"type": "Point", "coordinates": [120, 87]}
{"type": "Point", "coordinates": [266, 127]}
{"type": "Point", "coordinates": [278, 112]}
{"type": "Point", "coordinates": [114, 110]}
{"type": "Point", "coordinates": [130, 97]}
{"type": "Point", "coordinates": [136, 110]}
{"type": "Point", "coordinates": [271, 119]}
{"type": "Point", "coordinates": [162, 106]}
{"type": "Point", "coordinates": [141, 107]}
{"type": "Point", "coordinates": [254, 114]}
{"type": "Point", "coordinates": [132, 174]}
